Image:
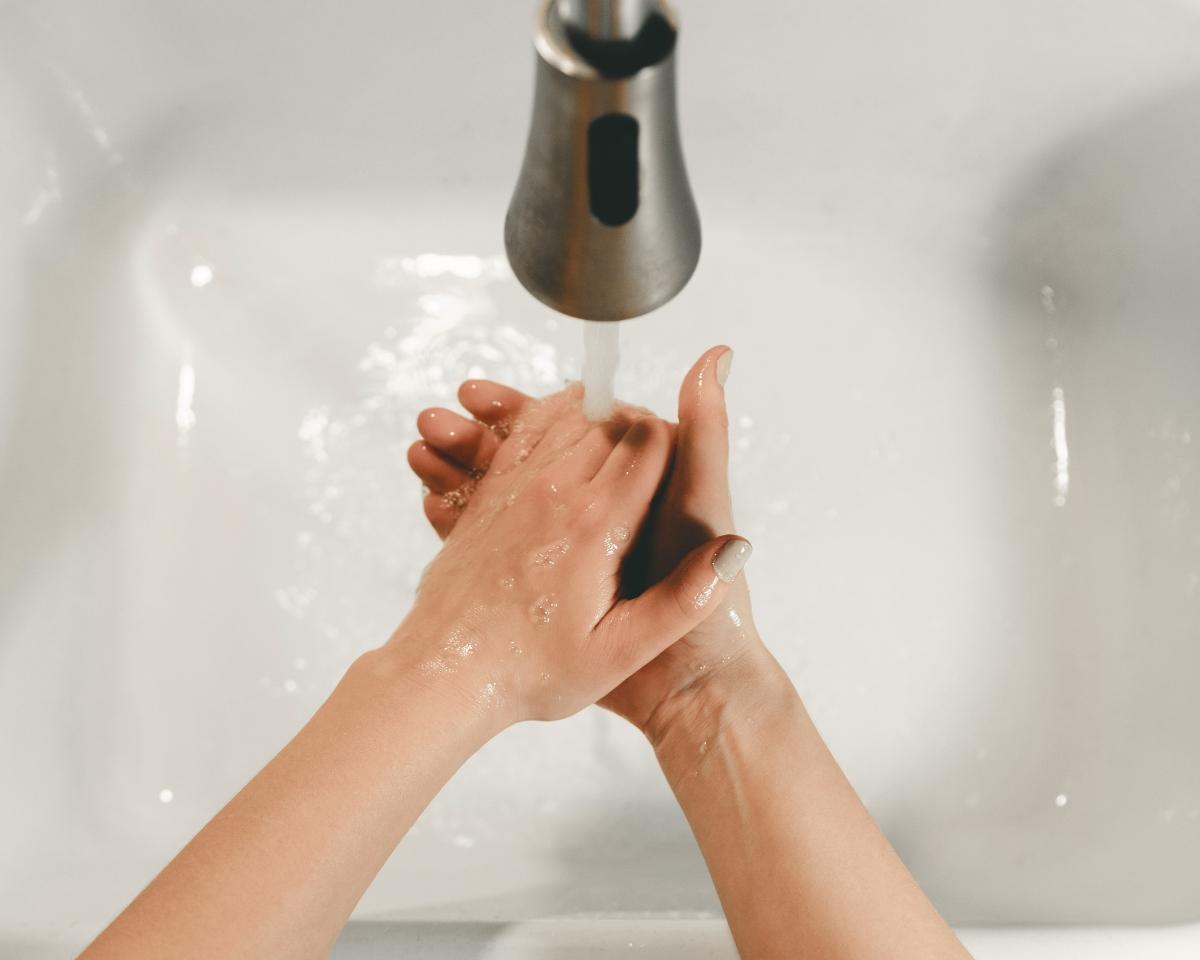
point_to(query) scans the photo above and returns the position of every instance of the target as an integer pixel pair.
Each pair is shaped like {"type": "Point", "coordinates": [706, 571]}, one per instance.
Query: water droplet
{"type": "Point", "coordinates": [459, 643]}
{"type": "Point", "coordinates": [434, 666]}
{"type": "Point", "coordinates": [543, 608]}
{"type": "Point", "coordinates": [166, 795]}
{"type": "Point", "coordinates": [549, 556]}
{"type": "Point", "coordinates": [614, 539]}
{"type": "Point", "coordinates": [1061, 800]}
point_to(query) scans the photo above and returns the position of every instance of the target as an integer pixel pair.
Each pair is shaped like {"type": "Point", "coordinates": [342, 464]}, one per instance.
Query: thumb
{"type": "Point", "coordinates": [702, 450]}
{"type": "Point", "coordinates": [646, 625]}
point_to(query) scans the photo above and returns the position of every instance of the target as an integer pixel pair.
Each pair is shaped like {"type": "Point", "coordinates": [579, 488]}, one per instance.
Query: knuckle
{"type": "Point", "coordinates": [544, 487]}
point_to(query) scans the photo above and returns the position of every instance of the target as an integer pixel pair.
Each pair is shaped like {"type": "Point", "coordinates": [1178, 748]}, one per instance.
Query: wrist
{"type": "Point", "coordinates": [402, 676]}
{"type": "Point", "coordinates": [700, 721]}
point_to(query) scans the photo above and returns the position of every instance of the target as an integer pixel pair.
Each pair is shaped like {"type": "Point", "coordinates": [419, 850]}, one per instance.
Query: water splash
{"type": "Point", "coordinates": [442, 328]}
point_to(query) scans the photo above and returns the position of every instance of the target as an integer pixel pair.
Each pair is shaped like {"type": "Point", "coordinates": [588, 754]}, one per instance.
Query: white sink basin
{"type": "Point", "coordinates": [953, 247]}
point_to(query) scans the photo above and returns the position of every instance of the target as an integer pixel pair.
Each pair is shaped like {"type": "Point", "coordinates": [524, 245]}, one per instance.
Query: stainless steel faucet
{"type": "Point", "coordinates": [602, 224]}
{"type": "Point", "coordinates": [614, 20]}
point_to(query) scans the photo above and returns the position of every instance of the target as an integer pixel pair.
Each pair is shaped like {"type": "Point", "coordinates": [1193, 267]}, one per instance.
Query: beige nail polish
{"type": "Point", "coordinates": [724, 362]}
{"type": "Point", "coordinates": [730, 559]}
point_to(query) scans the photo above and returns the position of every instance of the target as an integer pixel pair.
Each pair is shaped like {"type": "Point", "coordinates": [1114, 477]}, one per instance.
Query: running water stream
{"type": "Point", "coordinates": [601, 353]}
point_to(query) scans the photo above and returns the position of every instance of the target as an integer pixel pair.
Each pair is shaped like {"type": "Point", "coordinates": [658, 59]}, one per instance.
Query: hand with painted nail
{"type": "Point", "coordinates": [524, 615]}
{"type": "Point", "coordinates": [520, 616]}
{"type": "Point", "coordinates": [799, 865]}
{"type": "Point", "coordinates": [694, 507]}
{"type": "Point", "coordinates": [523, 611]}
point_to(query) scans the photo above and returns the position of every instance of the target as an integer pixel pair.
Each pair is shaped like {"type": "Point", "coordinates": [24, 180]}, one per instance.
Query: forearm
{"type": "Point", "coordinates": [799, 865]}
{"type": "Point", "coordinates": [277, 872]}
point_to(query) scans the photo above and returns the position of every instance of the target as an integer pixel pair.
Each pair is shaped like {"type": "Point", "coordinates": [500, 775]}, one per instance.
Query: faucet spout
{"type": "Point", "coordinates": [602, 224]}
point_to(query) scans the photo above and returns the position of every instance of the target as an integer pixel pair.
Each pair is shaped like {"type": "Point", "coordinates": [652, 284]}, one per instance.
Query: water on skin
{"type": "Point", "coordinates": [614, 539]}
{"type": "Point", "coordinates": [548, 556]}
{"type": "Point", "coordinates": [700, 600]}
{"type": "Point", "coordinates": [542, 609]}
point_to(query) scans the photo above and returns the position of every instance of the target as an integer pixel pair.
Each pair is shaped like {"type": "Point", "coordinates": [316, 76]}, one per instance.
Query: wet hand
{"type": "Point", "coordinates": [694, 508]}
{"type": "Point", "coordinates": [522, 612]}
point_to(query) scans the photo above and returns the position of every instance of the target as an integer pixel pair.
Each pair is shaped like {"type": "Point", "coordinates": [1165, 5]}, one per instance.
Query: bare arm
{"type": "Point", "coordinates": [800, 867]}
{"type": "Point", "coordinates": [278, 870]}
{"type": "Point", "coordinates": [519, 617]}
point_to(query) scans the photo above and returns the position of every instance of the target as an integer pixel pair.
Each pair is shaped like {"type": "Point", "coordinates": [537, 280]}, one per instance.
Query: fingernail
{"type": "Point", "coordinates": [730, 559]}
{"type": "Point", "coordinates": [724, 362]}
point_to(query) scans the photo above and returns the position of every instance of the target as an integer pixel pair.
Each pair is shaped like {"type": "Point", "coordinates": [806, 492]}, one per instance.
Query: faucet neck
{"type": "Point", "coordinates": [607, 19]}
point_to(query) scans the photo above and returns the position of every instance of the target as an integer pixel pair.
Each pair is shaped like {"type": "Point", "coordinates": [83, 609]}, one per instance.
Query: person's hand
{"type": "Point", "coordinates": [528, 613]}
{"type": "Point", "coordinates": [695, 507]}
{"type": "Point", "coordinates": [522, 610]}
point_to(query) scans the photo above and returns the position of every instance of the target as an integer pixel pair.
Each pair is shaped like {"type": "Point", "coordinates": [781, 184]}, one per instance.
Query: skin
{"type": "Point", "coordinates": [522, 615]}
{"type": "Point", "coordinates": [801, 868]}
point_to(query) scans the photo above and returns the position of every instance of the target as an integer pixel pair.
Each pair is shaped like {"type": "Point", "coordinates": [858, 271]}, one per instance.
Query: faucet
{"type": "Point", "coordinates": [602, 224]}
{"type": "Point", "coordinates": [615, 20]}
